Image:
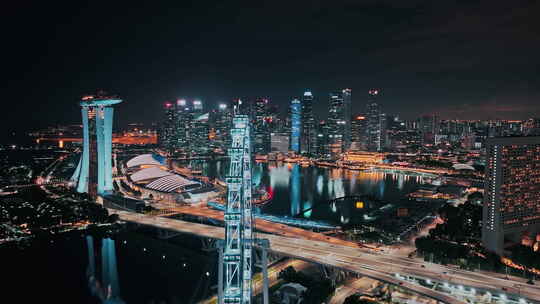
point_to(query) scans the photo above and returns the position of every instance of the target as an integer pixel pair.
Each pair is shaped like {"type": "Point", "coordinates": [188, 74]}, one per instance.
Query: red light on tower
{"type": "Point", "coordinates": [373, 92]}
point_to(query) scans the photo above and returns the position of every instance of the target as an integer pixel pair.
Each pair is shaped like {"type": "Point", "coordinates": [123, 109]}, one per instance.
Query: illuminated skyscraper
{"type": "Point", "coordinates": [94, 171]}
{"type": "Point", "coordinates": [182, 120]}
{"type": "Point", "coordinates": [261, 127]}
{"type": "Point", "coordinates": [358, 132]}
{"type": "Point", "coordinates": [196, 125]}
{"type": "Point", "coordinates": [336, 124]}
{"type": "Point", "coordinates": [198, 133]}
{"type": "Point", "coordinates": [512, 191]}
{"type": "Point", "coordinates": [222, 126]}
{"type": "Point", "coordinates": [197, 106]}
{"type": "Point", "coordinates": [429, 128]}
{"type": "Point", "coordinates": [376, 123]}
{"type": "Point", "coordinates": [167, 127]}
{"type": "Point", "coordinates": [296, 124]}
{"type": "Point", "coordinates": [321, 146]}
{"type": "Point", "coordinates": [347, 100]}
{"type": "Point", "coordinates": [308, 143]}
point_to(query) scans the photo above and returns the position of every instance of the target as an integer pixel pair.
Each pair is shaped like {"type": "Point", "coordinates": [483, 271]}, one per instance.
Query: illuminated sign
{"type": "Point", "coordinates": [359, 205]}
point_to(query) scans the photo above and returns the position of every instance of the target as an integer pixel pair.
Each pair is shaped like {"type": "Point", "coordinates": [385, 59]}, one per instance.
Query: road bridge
{"type": "Point", "coordinates": [382, 267]}
{"type": "Point", "coordinates": [259, 224]}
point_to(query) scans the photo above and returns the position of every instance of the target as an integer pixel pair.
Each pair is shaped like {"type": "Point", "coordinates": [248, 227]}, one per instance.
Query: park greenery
{"type": "Point", "coordinates": [433, 164]}
{"type": "Point", "coordinates": [457, 241]}
{"type": "Point", "coordinates": [525, 256]}
{"type": "Point", "coordinates": [318, 290]}
{"type": "Point", "coordinates": [355, 299]}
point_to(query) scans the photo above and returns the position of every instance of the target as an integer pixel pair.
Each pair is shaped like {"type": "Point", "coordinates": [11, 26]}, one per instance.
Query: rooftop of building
{"type": "Point", "coordinates": [153, 175]}
{"type": "Point", "coordinates": [513, 140]}
{"type": "Point", "coordinates": [145, 160]}
{"type": "Point", "coordinates": [100, 99]}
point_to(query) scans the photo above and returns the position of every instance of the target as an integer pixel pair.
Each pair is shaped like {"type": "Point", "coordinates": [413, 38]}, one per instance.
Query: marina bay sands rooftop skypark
{"type": "Point", "coordinates": [94, 171]}
{"type": "Point", "coordinates": [99, 99]}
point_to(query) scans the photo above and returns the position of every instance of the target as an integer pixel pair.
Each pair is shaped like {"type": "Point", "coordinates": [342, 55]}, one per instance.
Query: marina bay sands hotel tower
{"type": "Point", "coordinates": [94, 172]}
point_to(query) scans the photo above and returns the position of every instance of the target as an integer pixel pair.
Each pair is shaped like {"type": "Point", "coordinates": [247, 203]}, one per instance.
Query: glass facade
{"type": "Point", "coordinates": [296, 124]}
{"type": "Point", "coordinates": [308, 143]}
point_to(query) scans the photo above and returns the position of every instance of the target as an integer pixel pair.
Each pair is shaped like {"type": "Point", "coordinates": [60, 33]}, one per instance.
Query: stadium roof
{"type": "Point", "coordinates": [144, 159]}
{"type": "Point", "coordinates": [462, 167]}
{"type": "Point", "coordinates": [170, 183]}
{"type": "Point", "coordinates": [149, 174]}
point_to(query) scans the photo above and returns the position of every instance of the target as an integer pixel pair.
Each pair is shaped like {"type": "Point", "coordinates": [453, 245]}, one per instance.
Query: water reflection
{"type": "Point", "coordinates": [108, 290]}
{"type": "Point", "coordinates": [319, 185]}
{"type": "Point", "coordinates": [296, 188]}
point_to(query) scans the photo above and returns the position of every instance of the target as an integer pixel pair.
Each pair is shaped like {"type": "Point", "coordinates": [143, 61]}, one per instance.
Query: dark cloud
{"type": "Point", "coordinates": [430, 56]}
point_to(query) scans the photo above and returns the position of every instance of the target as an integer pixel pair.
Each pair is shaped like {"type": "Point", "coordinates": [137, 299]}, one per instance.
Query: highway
{"type": "Point", "coordinates": [273, 279]}
{"type": "Point", "coordinates": [352, 286]}
{"type": "Point", "coordinates": [378, 266]}
{"type": "Point", "coordinates": [260, 224]}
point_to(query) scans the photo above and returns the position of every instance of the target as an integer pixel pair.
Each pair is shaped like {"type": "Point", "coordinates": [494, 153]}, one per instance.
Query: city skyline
{"type": "Point", "coordinates": [462, 73]}
{"type": "Point", "coordinates": [341, 152]}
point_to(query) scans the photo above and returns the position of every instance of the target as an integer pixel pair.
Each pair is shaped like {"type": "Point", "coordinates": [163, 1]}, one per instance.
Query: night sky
{"type": "Point", "coordinates": [462, 59]}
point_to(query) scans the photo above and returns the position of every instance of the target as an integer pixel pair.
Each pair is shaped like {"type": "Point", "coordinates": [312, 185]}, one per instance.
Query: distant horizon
{"type": "Point", "coordinates": [461, 60]}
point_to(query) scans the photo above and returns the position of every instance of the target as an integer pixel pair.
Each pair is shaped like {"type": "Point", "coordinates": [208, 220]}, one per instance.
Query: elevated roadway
{"type": "Point", "coordinates": [260, 224]}
{"type": "Point", "coordinates": [382, 267]}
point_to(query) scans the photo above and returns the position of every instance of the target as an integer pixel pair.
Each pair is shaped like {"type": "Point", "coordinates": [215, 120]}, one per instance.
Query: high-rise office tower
{"type": "Point", "coordinates": [279, 142]}
{"type": "Point", "coordinates": [167, 127]}
{"type": "Point", "coordinates": [197, 106]}
{"type": "Point", "coordinates": [322, 141]}
{"type": "Point", "coordinates": [94, 171]}
{"type": "Point", "coordinates": [175, 126]}
{"type": "Point", "coordinates": [198, 135]}
{"type": "Point", "coordinates": [296, 124]}
{"type": "Point", "coordinates": [307, 145]}
{"type": "Point", "coordinates": [347, 104]}
{"type": "Point", "coordinates": [532, 127]}
{"type": "Point", "coordinates": [182, 121]}
{"type": "Point", "coordinates": [197, 127]}
{"type": "Point", "coordinates": [376, 123]}
{"type": "Point", "coordinates": [429, 127]}
{"type": "Point", "coordinates": [274, 121]}
{"type": "Point", "coordinates": [239, 106]}
{"type": "Point", "coordinates": [358, 132]}
{"type": "Point", "coordinates": [261, 127]}
{"type": "Point", "coordinates": [512, 191]}
{"type": "Point", "coordinates": [222, 126]}
{"type": "Point", "coordinates": [336, 123]}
